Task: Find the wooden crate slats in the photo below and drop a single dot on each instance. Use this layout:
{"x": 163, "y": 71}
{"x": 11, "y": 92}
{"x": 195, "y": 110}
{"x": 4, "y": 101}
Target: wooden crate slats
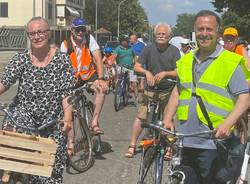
{"x": 25, "y": 136}
{"x": 25, "y": 168}
{"x": 21, "y": 155}
{"x": 26, "y": 153}
{"x": 20, "y": 142}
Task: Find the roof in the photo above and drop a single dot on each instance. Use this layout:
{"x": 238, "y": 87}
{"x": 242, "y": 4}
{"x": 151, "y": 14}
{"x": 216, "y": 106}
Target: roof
{"x": 103, "y": 31}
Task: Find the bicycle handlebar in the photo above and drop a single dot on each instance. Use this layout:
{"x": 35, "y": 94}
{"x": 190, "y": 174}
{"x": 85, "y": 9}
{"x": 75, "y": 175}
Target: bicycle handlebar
{"x": 74, "y": 98}
{"x": 4, "y": 108}
{"x": 204, "y": 134}
{"x": 86, "y": 86}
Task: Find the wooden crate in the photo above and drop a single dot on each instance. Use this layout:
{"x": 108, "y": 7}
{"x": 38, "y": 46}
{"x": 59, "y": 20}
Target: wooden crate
{"x": 26, "y": 153}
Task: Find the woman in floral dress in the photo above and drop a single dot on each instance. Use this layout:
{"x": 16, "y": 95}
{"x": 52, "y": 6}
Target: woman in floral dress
{"x": 45, "y": 80}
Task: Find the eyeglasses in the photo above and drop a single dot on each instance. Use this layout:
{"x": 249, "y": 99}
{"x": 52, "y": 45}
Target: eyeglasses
{"x": 39, "y": 33}
{"x": 80, "y": 29}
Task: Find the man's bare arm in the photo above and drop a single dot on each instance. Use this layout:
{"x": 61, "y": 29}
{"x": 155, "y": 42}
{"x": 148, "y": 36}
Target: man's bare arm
{"x": 170, "y": 109}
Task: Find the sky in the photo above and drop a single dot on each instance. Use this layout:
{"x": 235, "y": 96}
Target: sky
{"x": 167, "y": 10}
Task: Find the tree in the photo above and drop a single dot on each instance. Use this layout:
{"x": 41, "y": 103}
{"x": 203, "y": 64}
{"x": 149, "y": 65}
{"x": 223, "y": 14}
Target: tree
{"x": 234, "y": 13}
{"x": 184, "y": 24}
{"x": 132, "y": 15}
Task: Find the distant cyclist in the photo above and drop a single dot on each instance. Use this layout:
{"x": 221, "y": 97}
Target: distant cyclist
{"x": 109, "y": 63}
{"x": 86, "y": 60}
{"x": 231, "y": 43}
{"x": 124, "y": 56}
{"x": 160, "y": 60}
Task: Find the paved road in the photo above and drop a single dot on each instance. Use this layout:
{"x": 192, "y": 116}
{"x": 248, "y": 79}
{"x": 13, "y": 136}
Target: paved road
{"x": 111, "y": 167}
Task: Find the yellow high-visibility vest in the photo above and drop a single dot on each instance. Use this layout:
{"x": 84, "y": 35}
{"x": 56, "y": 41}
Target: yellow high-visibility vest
{"x": 212, "y": 87}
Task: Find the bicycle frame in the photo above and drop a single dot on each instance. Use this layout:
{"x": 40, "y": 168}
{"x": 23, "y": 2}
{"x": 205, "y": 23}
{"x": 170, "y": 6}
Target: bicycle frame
{"x": 158, "y": 157}
{"x": 123, "y": 79}
{"x": 173, "y": 172}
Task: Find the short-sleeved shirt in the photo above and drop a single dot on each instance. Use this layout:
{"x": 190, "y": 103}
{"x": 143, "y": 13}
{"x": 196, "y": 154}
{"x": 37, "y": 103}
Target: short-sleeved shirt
{"x": 137, "y": 47}
{"x": 236, "y": 86}
{"x": 156, "y": 61}
{"x": 93, "y": 45}
{"x": 124, "y": 56}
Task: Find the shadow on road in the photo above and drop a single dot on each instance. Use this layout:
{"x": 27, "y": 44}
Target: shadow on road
{"x": 106, "y": 148}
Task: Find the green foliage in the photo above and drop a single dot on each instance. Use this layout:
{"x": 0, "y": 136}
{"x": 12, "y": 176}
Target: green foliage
{"x": 235, "y": 13}
{"x": 132, "y": 15}
{"x": 184, "y": 24}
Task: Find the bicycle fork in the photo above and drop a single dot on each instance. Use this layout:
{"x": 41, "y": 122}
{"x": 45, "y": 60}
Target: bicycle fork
{"x": 159, "y": 165}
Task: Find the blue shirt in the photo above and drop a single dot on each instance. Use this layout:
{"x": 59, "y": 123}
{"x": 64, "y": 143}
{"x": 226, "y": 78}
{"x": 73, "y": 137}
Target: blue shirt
{"x": 137, "y": 47}
{"x": 236, "y": 86}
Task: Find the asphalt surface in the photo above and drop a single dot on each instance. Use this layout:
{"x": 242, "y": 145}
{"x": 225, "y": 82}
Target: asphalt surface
{"x": 110, "y": 167}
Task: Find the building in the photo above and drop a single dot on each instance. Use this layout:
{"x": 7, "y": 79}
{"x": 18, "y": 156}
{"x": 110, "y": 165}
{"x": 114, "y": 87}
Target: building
{"x": 14, "y": 14}
{"x": 68, "y": 9}
{"x": 58, "y": 12}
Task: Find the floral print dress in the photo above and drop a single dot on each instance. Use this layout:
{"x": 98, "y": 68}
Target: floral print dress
{"x": 39, "y": 99}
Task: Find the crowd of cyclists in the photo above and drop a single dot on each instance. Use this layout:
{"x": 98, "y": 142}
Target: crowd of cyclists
{"x": 210, "y": 91}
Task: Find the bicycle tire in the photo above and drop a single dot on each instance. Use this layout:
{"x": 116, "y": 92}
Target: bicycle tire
{"x": 126, "y": 93}
{"x": 117, "y": 99}
{"x": 148, "y": 167}
{"x": 82, "y": 158}
{"x": 97, "y": 146}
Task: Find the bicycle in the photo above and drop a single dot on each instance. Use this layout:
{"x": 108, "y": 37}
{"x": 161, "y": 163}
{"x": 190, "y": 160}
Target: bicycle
{"x": 154, "y": 114}
{"x": 110, "y": 77}
{"x": 177, "y": 173}
{"x": 121, "y": 89}
{"x": 85, "y": 143}
{"x": 23, "y": 175}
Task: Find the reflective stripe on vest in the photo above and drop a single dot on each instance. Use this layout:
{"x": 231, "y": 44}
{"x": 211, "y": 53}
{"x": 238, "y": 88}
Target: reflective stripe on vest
{"x": 212, "y": 87}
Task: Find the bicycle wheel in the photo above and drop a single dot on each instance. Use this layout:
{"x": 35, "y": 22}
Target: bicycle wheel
{"x": 117, "y": 100}
{"x": 126, "y": 93}
{"x": 96, "y": 140}
{"x": 148, "y": 166}
{"x": 97, "y": 144}
{"x": 82, "y": 158}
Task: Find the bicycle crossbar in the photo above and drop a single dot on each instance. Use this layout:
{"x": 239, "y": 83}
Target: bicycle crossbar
{"x": 27, "y": 153}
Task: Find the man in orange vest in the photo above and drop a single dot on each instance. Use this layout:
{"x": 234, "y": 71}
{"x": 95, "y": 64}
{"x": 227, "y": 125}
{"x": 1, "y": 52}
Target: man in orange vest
{"x": 86, "y": 60}
{"x": 231, "y": 43}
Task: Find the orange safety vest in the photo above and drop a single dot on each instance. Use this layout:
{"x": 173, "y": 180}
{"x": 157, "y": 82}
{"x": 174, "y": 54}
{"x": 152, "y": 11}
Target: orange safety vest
{"x": 87, "y": 68}
{"x": 239, "y": 49}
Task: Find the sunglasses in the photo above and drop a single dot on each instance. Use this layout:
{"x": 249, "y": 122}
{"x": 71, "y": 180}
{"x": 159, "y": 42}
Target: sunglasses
{"x": 80, "y": 29}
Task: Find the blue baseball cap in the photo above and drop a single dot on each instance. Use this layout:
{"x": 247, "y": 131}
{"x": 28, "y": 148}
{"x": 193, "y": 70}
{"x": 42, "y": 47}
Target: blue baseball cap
{"x": 107, "y": 49}
{"x": 78, "y": 22}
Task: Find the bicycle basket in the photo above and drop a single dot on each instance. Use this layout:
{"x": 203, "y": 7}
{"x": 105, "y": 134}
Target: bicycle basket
{"x": 26, "y": 154}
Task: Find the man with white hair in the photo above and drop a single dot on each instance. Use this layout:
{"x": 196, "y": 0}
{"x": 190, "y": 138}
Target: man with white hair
{"x": 159, "y": 59}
